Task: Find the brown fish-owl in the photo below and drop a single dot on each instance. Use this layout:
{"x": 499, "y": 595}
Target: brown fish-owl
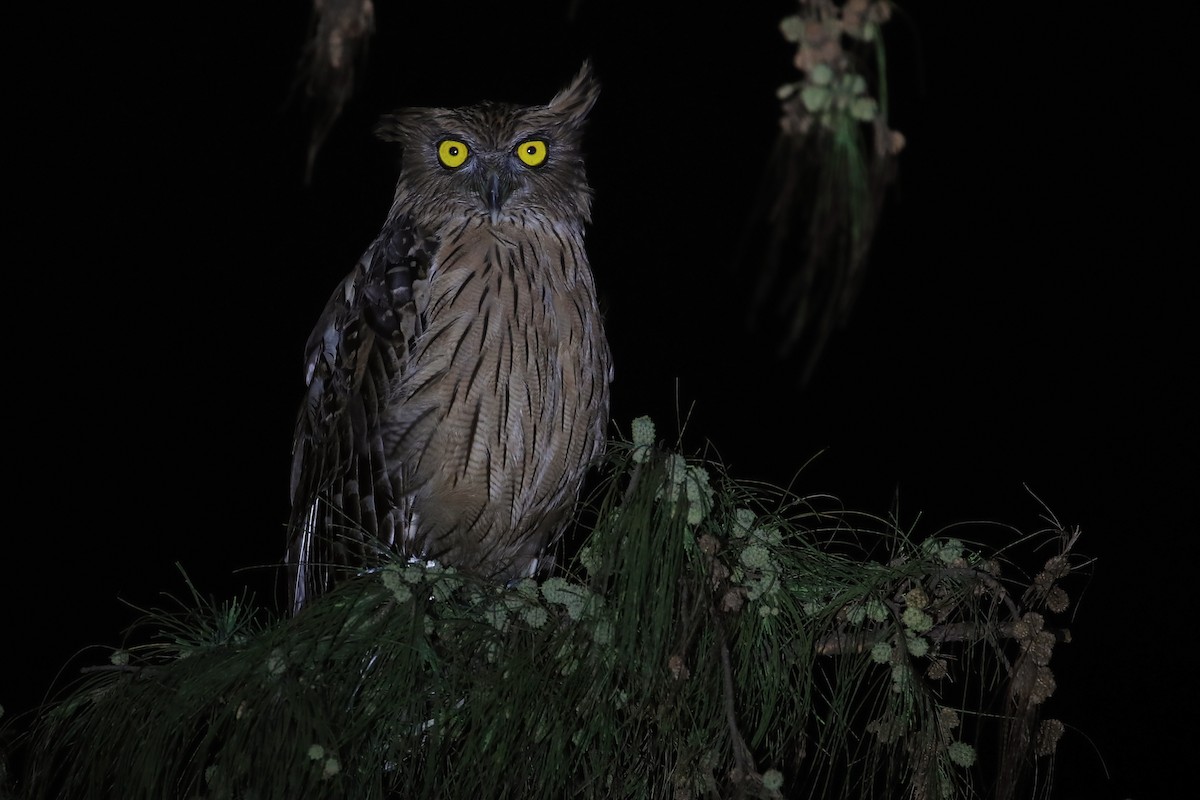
{"x": 458, "y": 378}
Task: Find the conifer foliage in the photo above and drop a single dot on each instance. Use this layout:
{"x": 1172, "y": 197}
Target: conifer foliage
{"x": 705, "y": 639}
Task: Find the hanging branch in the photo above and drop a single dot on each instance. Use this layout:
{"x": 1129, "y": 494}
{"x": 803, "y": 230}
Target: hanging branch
{"x": 334, "y": 52}
{"x": 828, "y": 173}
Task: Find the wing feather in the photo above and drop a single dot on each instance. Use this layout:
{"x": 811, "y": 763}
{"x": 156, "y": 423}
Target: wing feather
{"x": 345, "y": 502}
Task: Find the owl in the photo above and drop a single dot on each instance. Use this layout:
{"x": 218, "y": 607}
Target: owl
{"x": 458, "y": 378}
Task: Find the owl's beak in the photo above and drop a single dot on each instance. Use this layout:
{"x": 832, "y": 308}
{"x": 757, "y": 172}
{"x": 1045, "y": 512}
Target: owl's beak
{"x": 495, "y": 191}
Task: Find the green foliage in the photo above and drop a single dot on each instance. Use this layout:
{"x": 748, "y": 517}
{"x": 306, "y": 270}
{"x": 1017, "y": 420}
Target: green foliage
{"x": 834, "y": 158}
{"x": 709, "y": 639}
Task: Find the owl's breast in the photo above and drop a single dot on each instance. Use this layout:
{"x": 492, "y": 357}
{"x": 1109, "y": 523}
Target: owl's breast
{"x": 504, "y": 326}
{"x": 505, "y": 400}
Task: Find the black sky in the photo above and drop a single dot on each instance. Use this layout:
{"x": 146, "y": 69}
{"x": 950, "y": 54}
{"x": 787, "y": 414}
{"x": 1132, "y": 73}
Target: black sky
{"x": 1024, "y": 322}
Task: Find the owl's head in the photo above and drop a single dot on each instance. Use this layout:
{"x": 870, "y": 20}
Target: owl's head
{"x": 495, "y": 160}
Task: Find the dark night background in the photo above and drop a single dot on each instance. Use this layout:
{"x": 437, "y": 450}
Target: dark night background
{"x": 1022, "y": 322}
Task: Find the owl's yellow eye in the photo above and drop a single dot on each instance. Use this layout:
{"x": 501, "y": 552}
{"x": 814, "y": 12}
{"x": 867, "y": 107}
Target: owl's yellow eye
{"x": 532, "y": 153}
{"x": 452, "y": 153}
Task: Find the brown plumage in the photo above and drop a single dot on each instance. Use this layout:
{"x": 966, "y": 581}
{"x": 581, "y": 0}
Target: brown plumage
{"x": 458, "y": 377}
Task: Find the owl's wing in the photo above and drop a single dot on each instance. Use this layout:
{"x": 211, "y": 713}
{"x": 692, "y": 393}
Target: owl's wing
{"x": 344, "y": 499}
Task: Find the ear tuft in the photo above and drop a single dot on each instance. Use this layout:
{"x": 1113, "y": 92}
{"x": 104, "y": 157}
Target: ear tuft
{"x": 397, "y": 126}
{"x": 575, "y": 101}
{"x": 402, "y": 125}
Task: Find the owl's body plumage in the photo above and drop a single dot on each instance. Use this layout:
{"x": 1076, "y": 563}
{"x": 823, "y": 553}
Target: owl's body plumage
{"x": 458, "y": 377}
